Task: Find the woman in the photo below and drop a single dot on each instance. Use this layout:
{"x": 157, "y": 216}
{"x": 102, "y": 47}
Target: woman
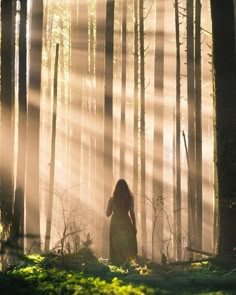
{"x": 123, "y": 242}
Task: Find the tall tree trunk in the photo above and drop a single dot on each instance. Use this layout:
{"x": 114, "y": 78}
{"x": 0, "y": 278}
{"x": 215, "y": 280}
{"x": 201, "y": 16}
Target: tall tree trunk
{"x": 158, "y": 127}
{"x": 21, "y": 155}
{"x": 198, "y": 123}
{"x": 123, "y": 92}
{"x": 100, "y": 39}
{"x": 108, "y": 111}
{"x": 224, "y": 72}
{"x": 142, "y": 128}
{"x": 33, "y": 128}
{"x": 191, "y": 127}
{"x": 7, "y": 114}
{"x": 177, "y": 198}
{"x": 135, "y": 127}
{"x": 235, "y": 23}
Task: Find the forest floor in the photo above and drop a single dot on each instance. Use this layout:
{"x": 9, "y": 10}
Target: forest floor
{"x": 83, "y": 273}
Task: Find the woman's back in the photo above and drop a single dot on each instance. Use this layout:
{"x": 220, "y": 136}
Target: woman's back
{"x": 123, "y": 243}
{"x": 122, "y": 204}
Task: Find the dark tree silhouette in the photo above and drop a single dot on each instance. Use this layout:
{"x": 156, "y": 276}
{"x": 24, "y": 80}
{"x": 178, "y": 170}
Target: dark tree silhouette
{"x": 123, "y": 92}
{"x": 177, "y": 197}
{"x": 7, "y": 111}
{"x": 191, "y": 127}
{"x": 136, "y": 80}
{"x": 18, "y": 222}
{"x": 224, "y": 73}
{"x": 142, "y": 127}
{"x": 108, "y": 110}
{"x": 198, "y": 123}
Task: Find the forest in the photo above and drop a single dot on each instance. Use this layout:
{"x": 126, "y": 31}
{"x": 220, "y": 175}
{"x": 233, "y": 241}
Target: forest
{"x": 93, "y": 91}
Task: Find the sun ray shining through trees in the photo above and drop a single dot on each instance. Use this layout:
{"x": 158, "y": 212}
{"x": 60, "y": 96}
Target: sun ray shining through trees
{"x": 134, "y": 101}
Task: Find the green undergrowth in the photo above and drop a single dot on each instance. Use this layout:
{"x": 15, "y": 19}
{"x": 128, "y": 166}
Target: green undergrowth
{"x": 82, "y": 273}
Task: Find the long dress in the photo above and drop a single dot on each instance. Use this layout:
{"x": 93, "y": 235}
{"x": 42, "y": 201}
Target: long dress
{"x": 123, "y": 241}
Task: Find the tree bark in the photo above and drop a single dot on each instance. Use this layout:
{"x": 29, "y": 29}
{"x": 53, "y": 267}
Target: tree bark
{"x": 108, "y": 111}
{"x": 33, "y": 128}
{"x": 123, "y": 92}
{"x": 100, "y": 40}
{"x": 177, "y": 198}
{"x": 21, "y": 155}
{"x": 224, "y": 74}
{"x": 191, "y": 127}
{"x": 7, "y": 114}
{"x": 158, "y": 127}
{"x": 135, "y": 127}
{"x": 198, "y": 123}
{"x": 142, "y": 128}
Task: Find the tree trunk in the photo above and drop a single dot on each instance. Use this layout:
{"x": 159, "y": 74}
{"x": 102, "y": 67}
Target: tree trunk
{"x": 108, "y": 112}
{"x": 135, "y": 127}
{"x": 224, "y": 71}
{"x": 235, "y": 24}
{"x": 100, "y": 39}
{"x": 191, "y": 127}
{"x": 7, "y": 114}
{"x": 123, "y": 92}
{"x": 177, "y": 198}
{"x": 33, "y": 130}
{"x": 142, "y": 128}
{"x": 21, "y": 155}
{"x": 158, "y": 127}
{"x": 198, "y": 123}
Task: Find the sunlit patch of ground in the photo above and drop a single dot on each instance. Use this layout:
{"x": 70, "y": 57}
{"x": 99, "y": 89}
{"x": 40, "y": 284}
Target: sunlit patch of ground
{"x": 84, "y": 274}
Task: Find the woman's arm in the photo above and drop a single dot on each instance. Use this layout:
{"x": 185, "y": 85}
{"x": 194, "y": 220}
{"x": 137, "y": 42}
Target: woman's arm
{"x": 109, "y": 208}
{"x": 132, "y": 215}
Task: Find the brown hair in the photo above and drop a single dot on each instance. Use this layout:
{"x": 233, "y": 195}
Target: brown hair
{"x": 122, "y": 196}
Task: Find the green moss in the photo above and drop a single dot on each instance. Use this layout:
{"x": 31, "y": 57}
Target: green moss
{"x": 41, "y": 275}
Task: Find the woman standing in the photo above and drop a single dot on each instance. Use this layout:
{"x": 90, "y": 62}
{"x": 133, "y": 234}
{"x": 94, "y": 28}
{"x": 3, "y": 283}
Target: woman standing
{"x": 123, "y": 241}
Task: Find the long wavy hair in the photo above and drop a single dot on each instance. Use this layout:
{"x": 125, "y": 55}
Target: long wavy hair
{"x": 122, "y": 196}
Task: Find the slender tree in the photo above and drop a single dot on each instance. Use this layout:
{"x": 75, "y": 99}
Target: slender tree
{"x": 123, "y": 92}
{"x": 158, "y": 125}
{"x": 142, "y": 127}
{"x": 177, "y": 196}
{"x": 235, "y": 22}
{"x": 136, "y": 80}
{"x": 21, "y": 155}
{"x": 33, "y": 128}
{"x": 99, "y": 69}
{"x": 198, "y": 123}
{"x": 108, "y": 109}
{"x": 7, "y": 114}
{"x": 191, "y": 127}
{"x": 224, "y": 73}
